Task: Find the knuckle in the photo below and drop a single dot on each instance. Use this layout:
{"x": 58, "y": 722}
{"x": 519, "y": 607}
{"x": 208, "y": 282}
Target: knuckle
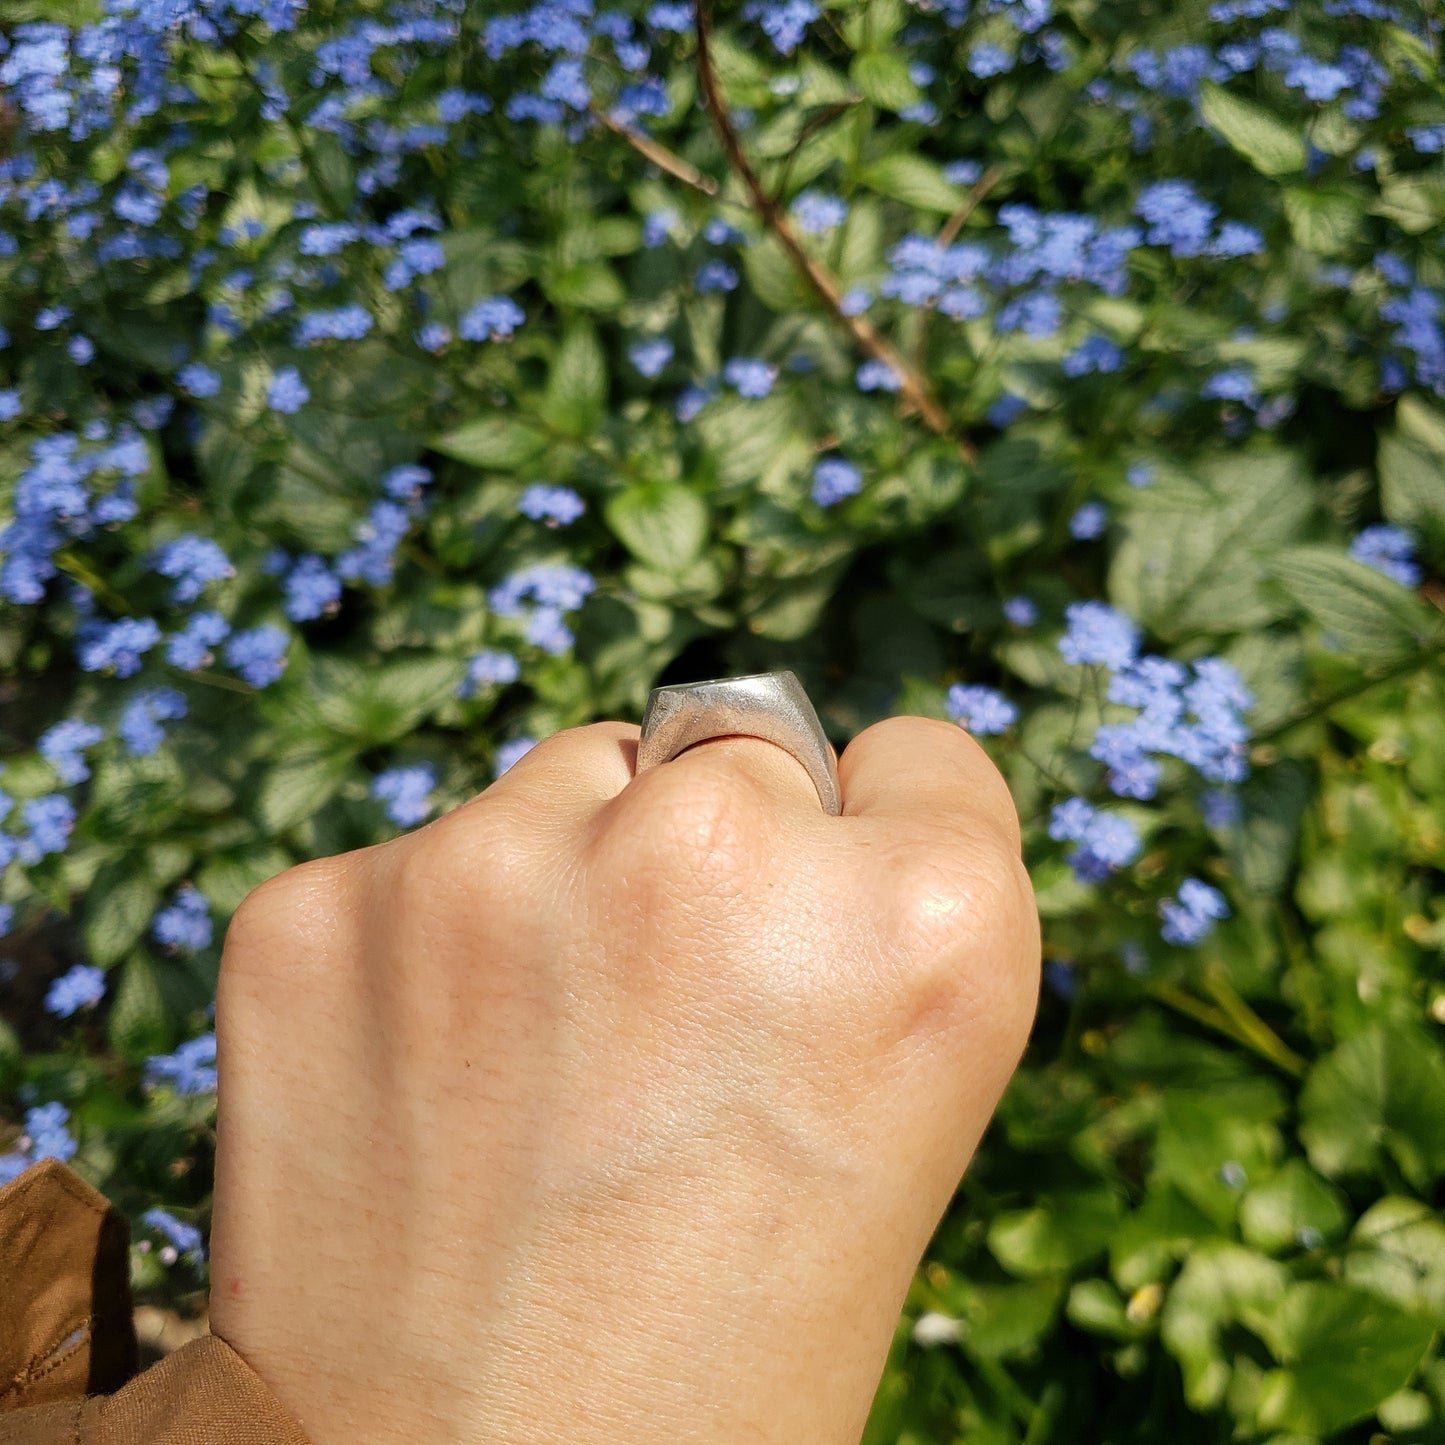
{"x": 687, "y": 826}
{"x": 476, "y": 851}
{"x": 299, "y": 902}
{"x": 966, "y": 933}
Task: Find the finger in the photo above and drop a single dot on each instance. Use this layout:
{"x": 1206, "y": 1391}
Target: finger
{"x": 921, "y": 770}
{"x": 770, "y": 771}
{"x": 567, "y": 776}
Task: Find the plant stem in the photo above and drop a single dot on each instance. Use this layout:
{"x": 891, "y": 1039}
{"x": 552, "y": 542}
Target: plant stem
{"x": 915, "y": 389}
{"x": 659, "y": 155}
{"x": 1258, "y": 1037}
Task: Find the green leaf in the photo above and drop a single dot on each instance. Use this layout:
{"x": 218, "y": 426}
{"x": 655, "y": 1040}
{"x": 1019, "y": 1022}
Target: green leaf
{"x": 119, "y": 904}
{"x": 138, "y": 1024}
{"x": 590, "y": 285}
{"x": 1057, "y": 1234}
{"x": 1194, "y": 555}
{"x": 1377, "y": 1094}
{"x": 1220, "y": 1285}
{"x": 296, "y": 786}
{"x": 378, "y": 704}
{"x": 136, "y": 798}
{"x": 1324, "y": 222}
{"x": 1397, "y": 1251}
{"x": 499, "y": 443}
{"x": 1293, "y": 1208}
{"x": 882, "y": 76}
{"x": 226, "y": 878}
{"x": 663, "y": 524}
{"x": 1412, "y": 484}
{"x": 1262, "y": 848}
{"x": 911, "y": 179}
{"x": 1415, "y": 203}
{"x": 1266, "y": 142}
{"x": 1343, "y": 1353}
{"x": 577, "y": 384}
{"x": 1365, "y": 613}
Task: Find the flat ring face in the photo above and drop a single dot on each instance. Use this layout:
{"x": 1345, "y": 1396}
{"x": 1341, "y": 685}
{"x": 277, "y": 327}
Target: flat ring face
{"x": 768, "y": 705}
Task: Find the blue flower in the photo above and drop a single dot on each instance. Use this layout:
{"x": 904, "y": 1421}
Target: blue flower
{"x": 657, "y": 225}
{"x": 287, "y": 392}
{"x": 81, "y": 350}
{"x": 185, "y": 924}
{"x": 494, "y": 318}
{"x": 878, "y": 376}
{"x": 1139, "y": 474}
{"x": 981, "y": 710}
{"x": 198, "y": 379}
{"x": 406, "y": 481}
{"x": 1094, "y": 353}
{"x": 50, "y": 820}
{"x": 751, "y": 377}
{"x": 62, "y": 744}
{"x": 373, "y": 558}
{"x": 833, "y": 479}
{"x": 259, "y": 654}
{"x": 118, "y": 645}
{"x": 190, "y": 1069}
{"x": 511, "y": 751}
{"x": 1021, "y": 611}
{"x": 10, "y": 403}
{"x": 404, "y": 791}
{"x": 139, "y": 725}
{"x": 855, "y": 301}
{"x": 962, "y": 173}
{"x": 183, "y": 1238}
{"x": 649, "y": 357}
{"x": 190, "y": 647}
{"x": 45, "y": 1127}
{"x": 1233, "y": 384}
{"x": 195, "y": 561}
{"x": 1097, "y": 633}
{"x": 82, "y": 987}
{"x": 558, "y": 505}
{"x": 347, "y": 323}
{"x": 987, "y": 59}
{"x": 716, "y": 275}
{"x": 490, "y": 667}
{"x": 1089, "y": 522}
{"x": 549, "y": 584}
{"x": 312, "y": 589}
{"x": 784, "y": 22}
{"x": 816, "y": 212}
{"x": 1390, "y": 550}
{"x": 1178, "y": 217}
{"x": 1192, "y": 916}
{"x": 546, "y": 629}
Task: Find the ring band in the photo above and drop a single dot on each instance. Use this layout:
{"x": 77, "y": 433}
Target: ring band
{"x": 768, "y": 705}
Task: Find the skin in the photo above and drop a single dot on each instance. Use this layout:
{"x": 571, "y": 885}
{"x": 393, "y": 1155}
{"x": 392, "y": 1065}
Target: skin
{"x": 617, "y": 1108}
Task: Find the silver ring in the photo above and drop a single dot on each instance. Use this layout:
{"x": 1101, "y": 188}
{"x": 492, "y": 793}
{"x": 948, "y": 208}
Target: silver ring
{"x": 767, "y": 705}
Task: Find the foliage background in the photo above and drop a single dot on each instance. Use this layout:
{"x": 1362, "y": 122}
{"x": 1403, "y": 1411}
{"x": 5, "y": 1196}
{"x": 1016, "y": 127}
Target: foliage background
{"x": 386, "y": 386}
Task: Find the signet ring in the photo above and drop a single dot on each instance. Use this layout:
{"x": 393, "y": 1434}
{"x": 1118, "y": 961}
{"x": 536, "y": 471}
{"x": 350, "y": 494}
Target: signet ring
{"x": 768, "y": 705}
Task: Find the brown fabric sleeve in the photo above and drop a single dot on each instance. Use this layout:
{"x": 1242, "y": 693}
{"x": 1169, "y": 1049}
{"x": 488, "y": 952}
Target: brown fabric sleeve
{"x": 65, "y": 1306}
{"x": 68, "y": 1345}
{"x": 203, "y": 1394}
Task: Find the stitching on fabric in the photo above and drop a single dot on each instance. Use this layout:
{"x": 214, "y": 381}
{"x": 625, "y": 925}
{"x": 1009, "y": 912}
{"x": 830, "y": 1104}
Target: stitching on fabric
{"x": 53, "y": 1355}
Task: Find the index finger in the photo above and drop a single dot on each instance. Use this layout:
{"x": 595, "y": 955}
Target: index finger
{"x": 921, "y": 769}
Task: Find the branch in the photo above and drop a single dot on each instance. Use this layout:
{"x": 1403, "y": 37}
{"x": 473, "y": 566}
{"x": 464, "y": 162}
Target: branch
{"x": 915, "y": 389}
{"x": 946, "y": 237}
{"x": 659, "y": 155}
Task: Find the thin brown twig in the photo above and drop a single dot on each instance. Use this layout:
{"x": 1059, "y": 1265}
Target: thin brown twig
{"x": 981, "y": 187}
{"x": 946, "y": 237}
{"x": 914, "y": 389}
{"x": 659, "y": 155}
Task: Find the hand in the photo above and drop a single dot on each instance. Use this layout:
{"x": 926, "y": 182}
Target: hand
{"x": 617, "y": 1109}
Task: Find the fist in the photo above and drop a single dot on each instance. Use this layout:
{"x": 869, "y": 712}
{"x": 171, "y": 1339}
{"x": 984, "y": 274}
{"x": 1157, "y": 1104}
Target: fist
{"x": 614, "y": 1107}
